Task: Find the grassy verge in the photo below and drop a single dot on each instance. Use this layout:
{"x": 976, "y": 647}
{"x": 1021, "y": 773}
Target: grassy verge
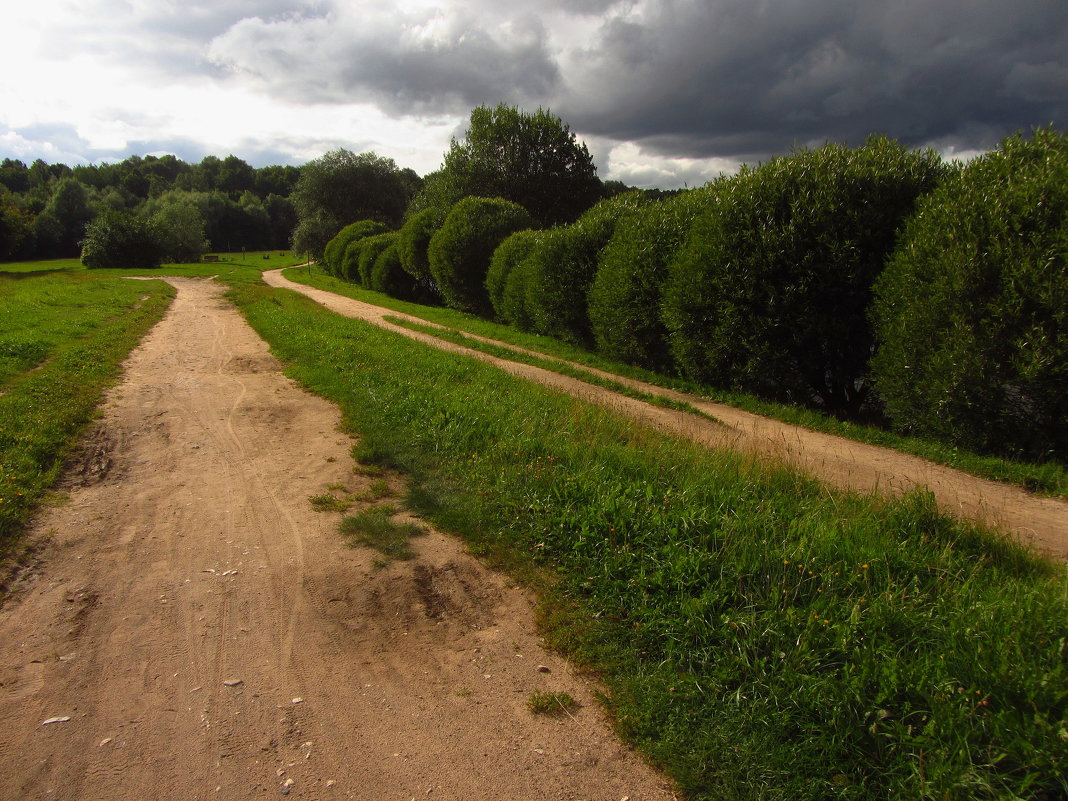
{"x": 563, "y": 368}
{"x": 66, "y": 335}
{"x": 760, "y": 636}
{"x": 1050, "y": 478}
{"x": 229, "y": 267}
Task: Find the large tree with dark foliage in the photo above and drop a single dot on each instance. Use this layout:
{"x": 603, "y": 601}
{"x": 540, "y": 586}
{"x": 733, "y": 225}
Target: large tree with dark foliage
{"x": 122, "y": 240}
{"x": 342, "y": 187}
{"x": 530, "y": 159}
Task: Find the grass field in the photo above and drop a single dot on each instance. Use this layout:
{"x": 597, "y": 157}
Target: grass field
{"x": 230, "y": 267}
{"x": 63, "y": 336}
{"x": 761, "y": 636}
{"x": 1049, "y": 478}
{"x": 64, "y": 332}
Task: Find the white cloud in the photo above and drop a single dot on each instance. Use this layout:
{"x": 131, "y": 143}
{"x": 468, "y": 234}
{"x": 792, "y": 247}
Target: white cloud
{"x": 627, "y": 162}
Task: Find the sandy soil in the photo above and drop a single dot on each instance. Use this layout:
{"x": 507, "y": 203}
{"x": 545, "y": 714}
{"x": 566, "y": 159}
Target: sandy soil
{"x": 1040, "y": 522}
{"x": 196, "y": 631}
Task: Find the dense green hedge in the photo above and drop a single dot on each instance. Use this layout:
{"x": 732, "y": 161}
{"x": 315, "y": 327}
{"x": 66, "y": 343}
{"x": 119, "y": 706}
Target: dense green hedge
{"x": 770, "y": 293}
{"x": 389, "y": 277}
{"x": 563, "y": 267}
{"x": 413, "y": 241}
{"x": 972, "y": 312}
{"x": 334, "y": 253}
{"x": 624, "y": 300}
{"x": 514, "y": 307}
{"x": 369, "y": 249}
{"x": 460, "y": 251}
{"x": 508, "y": 254}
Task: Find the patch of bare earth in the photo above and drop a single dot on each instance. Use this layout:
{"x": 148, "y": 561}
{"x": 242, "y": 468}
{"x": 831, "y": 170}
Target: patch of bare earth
{"x": 843, "y": 463}
{"x": 194, "y": 630}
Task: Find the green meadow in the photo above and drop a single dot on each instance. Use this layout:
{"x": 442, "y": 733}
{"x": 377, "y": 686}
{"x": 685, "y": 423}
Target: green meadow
{"x": 63, "y": 337}
{"x": 1047, "y": 478}
{"x": 758, "y": 635}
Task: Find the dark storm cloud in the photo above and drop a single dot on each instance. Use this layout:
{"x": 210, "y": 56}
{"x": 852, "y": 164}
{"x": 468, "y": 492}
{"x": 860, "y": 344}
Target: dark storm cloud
{"x": 741, "y": 78}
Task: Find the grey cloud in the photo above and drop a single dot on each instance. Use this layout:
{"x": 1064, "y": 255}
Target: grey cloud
{"x": 166, "y": 39}
{"x": 407, "y": 65}
{"x": 745, "y": 79}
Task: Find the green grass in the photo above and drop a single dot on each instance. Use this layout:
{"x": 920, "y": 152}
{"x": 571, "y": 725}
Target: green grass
{"x": 551, "y": 703}
{"x": 328, "y": 502}
{"x": 552, "y": 365}
{"x": 230, "y": 267}
{"x": 63, "y": 337}
{"x": 760, "y": 636}
{"x": 1049, "y": 478}
{"x": 375, "y": 528}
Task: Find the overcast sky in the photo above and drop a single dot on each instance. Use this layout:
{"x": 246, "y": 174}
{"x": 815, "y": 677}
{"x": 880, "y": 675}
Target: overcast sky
{"x": 664, "y": 92}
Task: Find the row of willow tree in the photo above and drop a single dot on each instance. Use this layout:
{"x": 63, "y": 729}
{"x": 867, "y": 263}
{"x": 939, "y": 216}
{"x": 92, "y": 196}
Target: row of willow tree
{"x": 215, "y": 205}
{"x": 874, "y": 283}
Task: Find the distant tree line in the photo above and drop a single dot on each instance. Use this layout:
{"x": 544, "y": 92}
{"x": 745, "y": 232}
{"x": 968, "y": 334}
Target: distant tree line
{"x": 217, "y": 204}
{"x": 873, "y": 283}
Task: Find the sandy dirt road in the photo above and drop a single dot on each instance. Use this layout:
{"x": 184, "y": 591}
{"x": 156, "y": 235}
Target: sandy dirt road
{"x": 1039, "y": 522}
{"x": 196, "y": 631}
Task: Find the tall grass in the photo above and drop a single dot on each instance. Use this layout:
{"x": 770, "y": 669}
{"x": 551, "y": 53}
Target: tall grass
{"x": 760, "y": 635}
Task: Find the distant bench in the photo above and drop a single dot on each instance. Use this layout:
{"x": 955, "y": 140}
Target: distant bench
{"x": 209, "y": 257}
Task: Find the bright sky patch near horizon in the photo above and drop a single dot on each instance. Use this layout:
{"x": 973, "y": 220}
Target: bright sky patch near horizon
{"x": 664, "y": 92}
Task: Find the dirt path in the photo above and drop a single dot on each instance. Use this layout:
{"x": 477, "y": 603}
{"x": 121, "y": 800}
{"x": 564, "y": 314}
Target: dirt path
{"x": 198, "y": 632}
{"x": 1041, "y": 522}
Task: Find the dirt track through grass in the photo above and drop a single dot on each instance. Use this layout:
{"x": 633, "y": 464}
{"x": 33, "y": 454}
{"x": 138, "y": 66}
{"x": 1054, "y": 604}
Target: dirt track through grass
{"x": 198, "y": 631}
{"x": 846, "y": 464}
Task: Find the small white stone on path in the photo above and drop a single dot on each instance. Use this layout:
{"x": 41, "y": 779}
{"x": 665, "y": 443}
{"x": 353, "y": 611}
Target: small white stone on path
{"x": 104, "y": 742}
{"x": 298, "y": 700}
{"x": 233, "y": 682}
{"x": 63, "y": 719}
{"x": 543, "y": 669}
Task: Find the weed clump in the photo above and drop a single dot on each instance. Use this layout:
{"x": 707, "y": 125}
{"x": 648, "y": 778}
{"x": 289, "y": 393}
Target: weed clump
{"x": 376, "y": 528}
{"x": 551, "y": 703}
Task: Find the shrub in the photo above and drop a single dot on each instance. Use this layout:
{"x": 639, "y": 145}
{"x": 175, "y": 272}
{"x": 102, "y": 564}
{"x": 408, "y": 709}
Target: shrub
{"x": 514, "y": 307}
{"x": 370, "y": 248}
{"x": 334, "y": 253}
{"x": 971, "y": 314}
{"x": 460, "y": 251}
{"x": 413, "y": 240}
{"x": 350, "y": 262}
{"x": 624, "y": 300}
{"x": 564, "y": 265}
{"x": 507, "y": 255}
{"x": 387, "y": 276}
{"x": 770, "y": 292}
{"x": 121, "y": 240}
